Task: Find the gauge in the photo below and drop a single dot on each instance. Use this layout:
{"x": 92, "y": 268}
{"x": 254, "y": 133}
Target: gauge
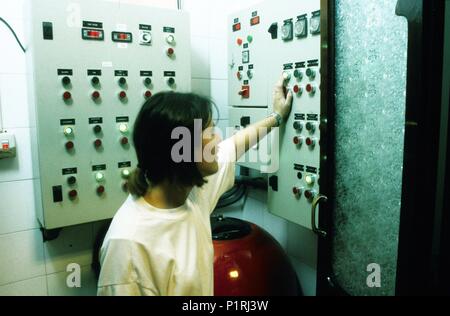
{"x": 287, "y": 31}
{"x": 315, "y": 23}
{"x": 300, "y": 28}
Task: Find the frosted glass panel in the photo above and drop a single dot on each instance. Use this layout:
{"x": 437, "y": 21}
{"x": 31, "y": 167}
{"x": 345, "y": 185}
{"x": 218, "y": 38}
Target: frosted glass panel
{"x": 371, "y": 56}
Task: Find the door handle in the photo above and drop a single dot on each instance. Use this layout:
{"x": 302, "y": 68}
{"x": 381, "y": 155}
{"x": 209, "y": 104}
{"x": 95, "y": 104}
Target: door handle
{"x": 316, "y": 202}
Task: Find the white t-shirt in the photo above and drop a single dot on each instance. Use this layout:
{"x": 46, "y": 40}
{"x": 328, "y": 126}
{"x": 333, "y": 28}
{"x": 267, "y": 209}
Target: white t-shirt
{"x": 151, "y": 251}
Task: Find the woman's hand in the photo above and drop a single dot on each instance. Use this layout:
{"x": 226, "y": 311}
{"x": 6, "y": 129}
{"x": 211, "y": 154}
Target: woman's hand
{"x": 282, "y": 104}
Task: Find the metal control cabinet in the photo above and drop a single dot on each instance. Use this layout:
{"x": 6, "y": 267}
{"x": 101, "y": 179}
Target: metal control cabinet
{"x": 92, "y": 65}
{"x": 290, "y": 36}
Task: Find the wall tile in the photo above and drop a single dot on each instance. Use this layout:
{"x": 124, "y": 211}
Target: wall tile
{"x": 20, "y": 167}
{"x": 201, "y": 87}
{"x": 14, "y": 103}
{"x": 57, "y": 283}
{"x": 199, "y": 11}
{"x": 17, "y": 214}
{"x": 200, "y": 57}
{"x": 219, "y": 94}
{"x": 30, "y": 287}
{"x": 12, "y": 60}
{"x": 74, "y": 245}
{"x": 22, "y": 256}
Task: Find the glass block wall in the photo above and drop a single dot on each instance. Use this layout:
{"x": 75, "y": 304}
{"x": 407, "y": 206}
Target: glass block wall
{"x": 371, "y": 56}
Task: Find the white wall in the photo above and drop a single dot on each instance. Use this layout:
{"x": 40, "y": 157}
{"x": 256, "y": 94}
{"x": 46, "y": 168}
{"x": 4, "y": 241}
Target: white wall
{"x": 30, "y": 267}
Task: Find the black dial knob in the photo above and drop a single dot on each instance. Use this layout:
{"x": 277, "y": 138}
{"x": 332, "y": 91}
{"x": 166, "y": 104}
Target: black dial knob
{"x": 122, "y": 81}
{"x": 95, "y": 81}
{"x": 66, "y": 81}
{"x": 97, "y": 129}
{"x": 71, "y": 180}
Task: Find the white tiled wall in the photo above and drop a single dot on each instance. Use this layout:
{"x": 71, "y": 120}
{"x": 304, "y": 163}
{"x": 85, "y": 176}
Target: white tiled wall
{"x": 28, "y": 266}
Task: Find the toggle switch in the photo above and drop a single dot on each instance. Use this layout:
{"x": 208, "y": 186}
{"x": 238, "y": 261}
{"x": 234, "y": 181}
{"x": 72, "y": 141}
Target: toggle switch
{"x": 249, "y": 74}
{"x": 239, "y": 75}
{"x": 67, "y": 96}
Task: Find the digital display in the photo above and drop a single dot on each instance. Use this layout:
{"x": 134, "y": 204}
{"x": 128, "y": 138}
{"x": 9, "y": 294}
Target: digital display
{"x": 122, "y": 37}
{"x": 92, "y": 34}
{"x": 236, "y": 27}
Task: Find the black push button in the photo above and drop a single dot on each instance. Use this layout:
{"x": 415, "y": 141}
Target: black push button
{"x": 245, "y": 121}
{"x": 47, "y": 28}
{"x": 57, "y": 194}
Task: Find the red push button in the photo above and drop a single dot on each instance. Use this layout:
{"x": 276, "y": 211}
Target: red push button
{"x": 122, "y": 95}
{"x": 170, "y": 51}
{"x": 95, "y": 95}
{"x": 297, "y": 140}
{"x": 310, "y": 88}
{"x": 310, "y": 142}
{"x": 100, "y": 189}
{"x": 73, "y": 194}
{"x": 147, "y": 94}
{"x": 98, "y": 143}
{"x": 239, "y": 41}
{"x": 67, "y": 96}
{"x": 70, "y": 145}
{"x": 124, "y": 141}
{"x": 309, "y": 194}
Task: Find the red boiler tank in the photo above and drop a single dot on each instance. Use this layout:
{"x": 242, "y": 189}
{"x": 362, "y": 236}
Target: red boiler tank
{"x": 248, "y": 261}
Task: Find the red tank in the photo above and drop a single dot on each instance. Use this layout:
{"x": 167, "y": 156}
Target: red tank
{"x": 248, "y": 261}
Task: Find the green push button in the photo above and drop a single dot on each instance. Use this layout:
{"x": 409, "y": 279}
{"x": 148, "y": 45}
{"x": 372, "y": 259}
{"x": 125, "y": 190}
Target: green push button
{"x": 250, "y": 38}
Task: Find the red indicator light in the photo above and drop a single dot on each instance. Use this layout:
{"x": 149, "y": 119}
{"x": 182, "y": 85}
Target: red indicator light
{"x": 254, "y": 21}
{"x": 236, "y": 27}
{"x": 73, "y": 194}
{"x": 295, "y": 190}
{"x": 122, "y": 95}
{"x": 296, "y": 89}
{"x": 5, "y": 146}
{"x": 309, "y": 194}
{"x": 67, "y": 95}
{"x": 98, "y": 143}
{"x": 147, "y": 94}
{"x": 239, "y": 41}
{"x": 70, "y": 145}
{"x": 170, "y": 51}
{"x": 297, "y": 140}
{"x": 124, "y": 141}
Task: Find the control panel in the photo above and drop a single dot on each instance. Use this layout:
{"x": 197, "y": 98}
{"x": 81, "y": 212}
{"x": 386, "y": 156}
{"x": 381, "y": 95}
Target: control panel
{"x": 291, "y": 40}
{"x": 92, "y": 66}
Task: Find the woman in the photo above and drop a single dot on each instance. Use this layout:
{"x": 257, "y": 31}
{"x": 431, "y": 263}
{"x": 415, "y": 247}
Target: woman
{"x": 159, "y": 242}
